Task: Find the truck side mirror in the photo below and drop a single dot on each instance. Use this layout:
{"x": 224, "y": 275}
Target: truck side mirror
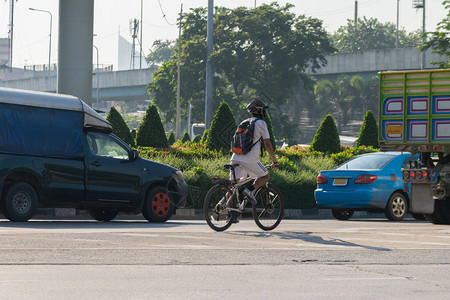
{"x": 134, "y": 155}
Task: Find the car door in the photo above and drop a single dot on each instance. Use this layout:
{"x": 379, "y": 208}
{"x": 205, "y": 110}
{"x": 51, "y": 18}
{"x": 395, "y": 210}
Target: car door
{"x": 111, "y": 176}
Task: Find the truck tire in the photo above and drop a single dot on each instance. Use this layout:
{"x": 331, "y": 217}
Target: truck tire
{"x": 441, "y": 213}
{"x": 102, "y": 214}
{"x": 158, "y": 206}
{"x": 20, "y": 202}
{"x": 396, "y": 207}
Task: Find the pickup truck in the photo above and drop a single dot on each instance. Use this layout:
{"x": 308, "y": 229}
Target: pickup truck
{"x": 414, "y": 116}
{"x": 56, "y": 151}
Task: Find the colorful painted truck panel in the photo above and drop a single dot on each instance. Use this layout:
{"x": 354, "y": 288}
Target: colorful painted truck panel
{"x": 414, "y": 110}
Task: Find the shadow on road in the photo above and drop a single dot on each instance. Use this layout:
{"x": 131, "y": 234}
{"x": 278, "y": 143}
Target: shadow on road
{"x": 310, "y": 238}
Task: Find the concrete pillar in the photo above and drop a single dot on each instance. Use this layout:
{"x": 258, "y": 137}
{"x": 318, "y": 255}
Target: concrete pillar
{"x": 76, "y": 25}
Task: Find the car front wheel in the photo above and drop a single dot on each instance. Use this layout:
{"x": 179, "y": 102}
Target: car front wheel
{"x": 342, "y": 214}
{"x": 397, "y": 207}
{"x": 158, "y": 206}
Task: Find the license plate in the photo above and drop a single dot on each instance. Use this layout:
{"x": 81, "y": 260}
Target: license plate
{"x": 340, "y": 181}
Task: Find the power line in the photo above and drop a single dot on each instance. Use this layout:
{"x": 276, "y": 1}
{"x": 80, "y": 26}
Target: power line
{"x": 164, "y": 15}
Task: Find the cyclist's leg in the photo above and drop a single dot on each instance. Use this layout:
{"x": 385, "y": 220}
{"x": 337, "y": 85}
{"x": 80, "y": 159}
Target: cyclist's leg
{"x": 259, "y": 171}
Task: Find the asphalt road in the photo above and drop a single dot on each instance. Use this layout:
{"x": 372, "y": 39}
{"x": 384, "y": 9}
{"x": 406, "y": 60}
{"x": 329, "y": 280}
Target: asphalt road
{"x": 301, "y": 259}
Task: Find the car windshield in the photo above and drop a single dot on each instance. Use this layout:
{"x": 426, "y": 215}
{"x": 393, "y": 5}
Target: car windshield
{"x": 366, "y": 162}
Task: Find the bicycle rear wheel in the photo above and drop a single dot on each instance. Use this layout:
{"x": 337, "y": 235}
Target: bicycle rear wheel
{"x": 269, "y": 209}
{"x": 214, "y": 208}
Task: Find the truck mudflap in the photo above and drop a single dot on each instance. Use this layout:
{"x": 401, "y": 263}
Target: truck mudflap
{"x": 422, "y": 199}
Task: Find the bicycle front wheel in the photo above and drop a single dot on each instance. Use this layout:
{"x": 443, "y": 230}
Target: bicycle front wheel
{"x": 269, "y": 209}
{"x": 215, "y": 209}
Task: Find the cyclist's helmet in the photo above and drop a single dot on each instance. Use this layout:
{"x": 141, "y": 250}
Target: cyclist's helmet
{"x": 258, "y": 107}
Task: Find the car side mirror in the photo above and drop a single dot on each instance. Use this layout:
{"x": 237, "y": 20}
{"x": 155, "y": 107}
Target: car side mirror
{"x": 134, "y": 155}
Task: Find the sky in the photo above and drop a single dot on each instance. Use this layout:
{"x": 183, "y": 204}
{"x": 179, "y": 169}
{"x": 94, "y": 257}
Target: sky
{"x": 111, "y": 17}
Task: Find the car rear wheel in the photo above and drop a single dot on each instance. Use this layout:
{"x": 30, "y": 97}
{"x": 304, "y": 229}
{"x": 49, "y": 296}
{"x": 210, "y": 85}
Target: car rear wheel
{"x": 103, "y": 214}
{"x": 397, "y": 207}
{"x": 158, "y": 206}
{"x": 20, "y": 202}
{"x": 342, "y": 214}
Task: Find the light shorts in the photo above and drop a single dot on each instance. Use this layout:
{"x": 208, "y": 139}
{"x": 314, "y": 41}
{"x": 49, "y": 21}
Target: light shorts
{"x": 248, "y": 168}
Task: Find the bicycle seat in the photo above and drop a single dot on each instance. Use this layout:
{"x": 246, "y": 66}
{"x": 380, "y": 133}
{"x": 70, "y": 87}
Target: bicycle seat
{"x": 230, "y": 166}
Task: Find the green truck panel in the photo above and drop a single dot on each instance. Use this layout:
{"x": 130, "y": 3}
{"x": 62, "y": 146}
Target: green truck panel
{"x": 414, "y": 110}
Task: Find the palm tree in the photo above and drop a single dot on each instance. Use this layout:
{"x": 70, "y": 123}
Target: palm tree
{"x": 335, "y": 97}
{"x": 365, "y": 94}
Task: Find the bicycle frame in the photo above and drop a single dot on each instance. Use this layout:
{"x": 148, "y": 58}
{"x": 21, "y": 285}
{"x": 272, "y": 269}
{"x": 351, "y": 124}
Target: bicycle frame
{"x": 235, "y": 191}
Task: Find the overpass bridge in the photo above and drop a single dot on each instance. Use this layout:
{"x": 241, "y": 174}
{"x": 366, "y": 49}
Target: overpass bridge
{"x": 112, "y": 86}
{"x": 131, "y": 84}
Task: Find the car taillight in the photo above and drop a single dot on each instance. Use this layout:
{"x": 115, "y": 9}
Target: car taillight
{"x": 425, "y": 174}
{"x": 321, "y": 179}
{"x": 412, "y": 174}
{"x": 405, "y": 175}
{"x": 365, "y": 179}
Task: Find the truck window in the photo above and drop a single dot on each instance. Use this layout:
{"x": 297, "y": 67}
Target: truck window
{"x": 101, "y": 145}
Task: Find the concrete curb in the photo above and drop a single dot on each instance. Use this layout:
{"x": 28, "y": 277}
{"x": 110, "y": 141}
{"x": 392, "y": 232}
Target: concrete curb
{"x": 196, "y": 214}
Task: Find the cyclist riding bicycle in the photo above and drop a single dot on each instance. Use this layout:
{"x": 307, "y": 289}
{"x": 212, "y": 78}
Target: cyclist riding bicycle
{"x": 248, "y": 163}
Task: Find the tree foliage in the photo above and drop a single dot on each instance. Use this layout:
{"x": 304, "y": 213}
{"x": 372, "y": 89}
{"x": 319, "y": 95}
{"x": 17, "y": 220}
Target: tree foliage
{"x": 439, "y": 40}
{"x": 160, "y": 52}
{"x": 262, "y": 49}
{"x": 327, "y": 138}
{"x": 368, "y": 134}
{"x": 335, "y": 97}
{"x": 368, "y": 34}
{"x": 120, "y": 128}
{"x": 222, "y": 129}
{"x": 151, "y": 131}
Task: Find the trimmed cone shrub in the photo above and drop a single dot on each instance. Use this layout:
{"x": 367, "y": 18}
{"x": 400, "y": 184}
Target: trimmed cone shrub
{"x": 197, "y": 139}
{"x": 222, "y": 129}
{"x": 171, "y": 138}
{"x": 120, "y": 128}
{"x": 368, "y": 134}
{"x": 326, "y": 139}
{"x": 186, "y": 138}
{"x": 205, "y": 136}
{"x": 151, "y": 131}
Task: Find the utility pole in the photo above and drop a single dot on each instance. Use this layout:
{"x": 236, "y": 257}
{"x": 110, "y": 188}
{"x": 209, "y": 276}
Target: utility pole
{"x": 134, "y": 28}
{"x": 209, "y": 67}
{"x": 398, "y": 17}
{"x": 423, "y": 36}
{"x": 140, "y": 39}
{"x": 11, "y": 33}
{"x": 177, "y": 123}
{"x": 356, "y": 11}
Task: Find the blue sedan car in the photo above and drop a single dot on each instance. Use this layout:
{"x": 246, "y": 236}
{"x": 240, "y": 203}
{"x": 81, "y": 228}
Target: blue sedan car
{"x": 369, "y": 182}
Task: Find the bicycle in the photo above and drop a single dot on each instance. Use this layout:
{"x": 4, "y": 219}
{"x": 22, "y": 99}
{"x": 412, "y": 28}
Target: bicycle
{"x": 222, "y": 203}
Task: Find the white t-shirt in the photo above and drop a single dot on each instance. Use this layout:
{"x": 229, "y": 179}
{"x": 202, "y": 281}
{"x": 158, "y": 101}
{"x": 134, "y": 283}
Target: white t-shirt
{"x": 260, "y": 132}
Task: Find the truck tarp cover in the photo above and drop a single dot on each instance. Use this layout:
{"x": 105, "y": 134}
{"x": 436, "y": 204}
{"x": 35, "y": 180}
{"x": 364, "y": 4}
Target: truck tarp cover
{"x": 40, "y": 131}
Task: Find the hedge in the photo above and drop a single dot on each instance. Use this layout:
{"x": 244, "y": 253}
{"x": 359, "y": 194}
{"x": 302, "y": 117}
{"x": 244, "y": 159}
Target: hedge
{"x": 296, "y": 177}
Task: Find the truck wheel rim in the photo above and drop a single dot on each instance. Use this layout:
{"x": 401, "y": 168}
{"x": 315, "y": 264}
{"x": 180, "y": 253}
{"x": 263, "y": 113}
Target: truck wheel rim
{"x": 21, "y": 202}
{"x": 161, "y": 204}
{"x": 398, "y": 206}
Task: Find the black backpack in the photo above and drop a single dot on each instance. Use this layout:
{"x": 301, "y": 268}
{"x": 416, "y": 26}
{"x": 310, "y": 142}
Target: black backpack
{"x": 242, "y": 141}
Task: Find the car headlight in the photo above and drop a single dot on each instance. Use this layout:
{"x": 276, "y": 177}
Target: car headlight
{"x": 179, "y": 174}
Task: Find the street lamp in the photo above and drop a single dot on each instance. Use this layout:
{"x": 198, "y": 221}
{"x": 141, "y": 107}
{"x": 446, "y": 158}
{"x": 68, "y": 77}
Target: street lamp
{"x": 96, "y": 73}
{"x": 50, "y": 43}
{"x": 421, "y": 4}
